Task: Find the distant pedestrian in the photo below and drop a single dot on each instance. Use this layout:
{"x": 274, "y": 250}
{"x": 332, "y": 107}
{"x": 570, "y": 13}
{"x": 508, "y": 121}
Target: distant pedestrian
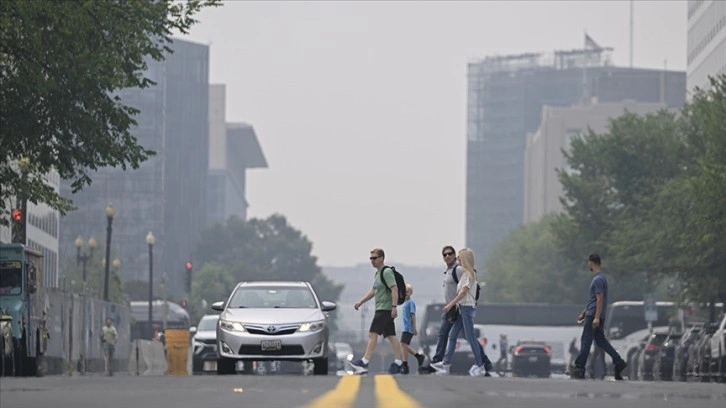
{"x": 109, "y": 337}
{"x": 386, "y": 299}
{"x": 409, "y": 330}
{"x": 465, "y": 303}
{"x": 452, "y": 277}
{"x": 503, "y": 348}
{"x": 593, "y": 319}
{"x": 573, "y": 351}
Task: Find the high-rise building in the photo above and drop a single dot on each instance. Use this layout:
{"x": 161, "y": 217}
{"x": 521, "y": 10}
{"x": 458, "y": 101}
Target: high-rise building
{"x": 543, "y": 153}
{"x": 505, "y": 99}
{"x": 706, "y": 41}
{"x": 167, "y": 194}
{"x": 233, "y": 148}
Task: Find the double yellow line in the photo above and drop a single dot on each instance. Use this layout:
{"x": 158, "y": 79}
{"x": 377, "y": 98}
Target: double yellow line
{"x": 388, "y": 395}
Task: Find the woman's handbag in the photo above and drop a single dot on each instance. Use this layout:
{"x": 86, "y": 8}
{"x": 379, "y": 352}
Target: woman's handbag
{"x": 452, "y": 314}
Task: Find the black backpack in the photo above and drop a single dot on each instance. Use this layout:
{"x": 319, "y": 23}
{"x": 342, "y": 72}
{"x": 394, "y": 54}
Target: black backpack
{"x": 400, "y": 284}
{"x": 456, "y": 279}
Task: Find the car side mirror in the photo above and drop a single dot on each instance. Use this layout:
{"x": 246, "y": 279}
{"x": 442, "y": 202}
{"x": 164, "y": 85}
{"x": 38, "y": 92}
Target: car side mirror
{"x": 193, "y": 329}
{"x": 218, "y": 306}
{"x": 614, "y": 333}
{"x": 328, "y": 306}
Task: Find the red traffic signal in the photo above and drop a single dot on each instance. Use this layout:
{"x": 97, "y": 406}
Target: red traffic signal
{"x": 188, "y": 265}
{"x": 17, "y": 215}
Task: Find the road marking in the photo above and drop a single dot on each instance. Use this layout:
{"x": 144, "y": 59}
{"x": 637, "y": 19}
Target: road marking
{"x": 342, "y": 396}
{"x": 388, "y": 395}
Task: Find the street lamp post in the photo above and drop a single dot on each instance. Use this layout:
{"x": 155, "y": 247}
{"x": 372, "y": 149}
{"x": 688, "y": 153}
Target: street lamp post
{"x": 110, "y": 213}
{"x": 150, "y": 241}
{"x": 83, "y": 258}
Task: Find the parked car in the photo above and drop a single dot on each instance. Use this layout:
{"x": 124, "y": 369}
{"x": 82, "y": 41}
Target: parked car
{"x": 663, "y": 364}
{"x": 273, "y": 321}
{"x": 646, "y": 358}
{"x": 204, "y": 345}
{"x": 699, "y": 360}
{"x": 680, "y": 355}
{"x": 531, "y": 358}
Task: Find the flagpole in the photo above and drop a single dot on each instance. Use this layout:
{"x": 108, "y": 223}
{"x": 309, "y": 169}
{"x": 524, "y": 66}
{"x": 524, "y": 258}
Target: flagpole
{"x": 632, "y": 2}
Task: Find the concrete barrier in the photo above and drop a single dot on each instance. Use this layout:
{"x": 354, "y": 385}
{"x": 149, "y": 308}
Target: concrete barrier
{"x": 147, "y": 358}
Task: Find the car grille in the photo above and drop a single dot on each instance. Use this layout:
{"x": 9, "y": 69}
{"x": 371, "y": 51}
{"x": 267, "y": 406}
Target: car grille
{"x": 266, "y": 333}
{"x": 208, "y": 341}
{"x": 284, "y": 351}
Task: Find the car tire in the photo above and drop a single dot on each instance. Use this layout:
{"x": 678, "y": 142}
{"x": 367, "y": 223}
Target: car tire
{"x": 226, "y": 366}
{"x": 320, "y": 366}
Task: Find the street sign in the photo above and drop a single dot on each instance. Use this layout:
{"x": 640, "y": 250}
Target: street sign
{"x": 650, "y": 308}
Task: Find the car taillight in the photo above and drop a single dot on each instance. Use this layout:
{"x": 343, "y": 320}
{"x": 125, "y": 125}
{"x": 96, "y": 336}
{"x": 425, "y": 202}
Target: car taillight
{"x": 548, "y": 350}
{"x": 517, "y": 350}
{"x": 651, "y": 347}
{"x": 483, "y": 342}
{"x": 458, "y": 344}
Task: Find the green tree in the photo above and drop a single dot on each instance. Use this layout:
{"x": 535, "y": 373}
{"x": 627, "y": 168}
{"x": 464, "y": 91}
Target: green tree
{"x": 139, "y": 289}
{"x": 527, "y": 266}
{"x": 95, "y": 275}
{"x": 609, "y": 190}
{"x": 214, "y": 283}
{"x": 60, "y": 64}
{"x": 263, "y": 249}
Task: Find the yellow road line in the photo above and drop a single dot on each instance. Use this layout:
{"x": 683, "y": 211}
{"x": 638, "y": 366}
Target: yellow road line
{"x": 342, "y": 396}
{"x": 388, "y": 395}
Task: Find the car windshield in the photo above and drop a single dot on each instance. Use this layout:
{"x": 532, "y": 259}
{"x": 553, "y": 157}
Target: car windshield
{"x": 208, "y": 324}
{"x": 268, "y": 297}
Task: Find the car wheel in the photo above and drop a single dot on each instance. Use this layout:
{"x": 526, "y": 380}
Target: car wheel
{"x": 320, "y": 366}
{"x": 226, "y": 366}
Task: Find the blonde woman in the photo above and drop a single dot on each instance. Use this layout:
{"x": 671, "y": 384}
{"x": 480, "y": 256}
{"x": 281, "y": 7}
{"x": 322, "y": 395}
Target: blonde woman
{"x": 465, "y": 301}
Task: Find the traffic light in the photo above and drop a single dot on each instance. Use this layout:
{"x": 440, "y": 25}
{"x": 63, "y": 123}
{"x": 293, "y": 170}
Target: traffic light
{"x": 188, "y": 265}
{"x": 18, "y": 227}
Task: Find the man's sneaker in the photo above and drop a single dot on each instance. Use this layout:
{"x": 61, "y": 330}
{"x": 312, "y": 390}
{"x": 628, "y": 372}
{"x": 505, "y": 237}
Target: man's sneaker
{"x": 441, "y": 367}
{"x": 426, "y": 369}
{"x": 421, "y": 359}
{"x": 619, "y": 367}
{"x": 577, "y": 373}
{"x": 475, "y": 371}
{"x": 359, "y": 367}
{"x": 404, "y": 368}
{"x": 394, "y": 368}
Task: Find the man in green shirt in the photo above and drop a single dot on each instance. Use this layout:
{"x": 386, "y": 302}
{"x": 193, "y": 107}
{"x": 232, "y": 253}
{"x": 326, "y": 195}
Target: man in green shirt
{"x": 386, "y": 298}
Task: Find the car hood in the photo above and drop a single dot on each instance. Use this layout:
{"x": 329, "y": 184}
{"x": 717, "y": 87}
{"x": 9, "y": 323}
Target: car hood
{"x": 206, "y": 335}
{"x": 276, "y": 316}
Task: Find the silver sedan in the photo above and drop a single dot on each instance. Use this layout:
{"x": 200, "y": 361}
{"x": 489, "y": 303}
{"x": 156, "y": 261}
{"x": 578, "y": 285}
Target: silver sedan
{"x": 273, "y": 321}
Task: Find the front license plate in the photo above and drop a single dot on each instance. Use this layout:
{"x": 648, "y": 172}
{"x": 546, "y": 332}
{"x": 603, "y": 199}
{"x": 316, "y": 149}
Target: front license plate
{"x": 533, "y": 359}
{"x": 270, "y": 345}
{"x": 210, "y": 366}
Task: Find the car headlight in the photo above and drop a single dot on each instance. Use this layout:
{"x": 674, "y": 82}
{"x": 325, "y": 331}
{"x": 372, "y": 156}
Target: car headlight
{"x": 231, "y": 326}
{"x": 312, "y": 326}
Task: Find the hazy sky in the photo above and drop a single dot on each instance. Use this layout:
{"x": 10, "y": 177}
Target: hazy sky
{"x": 360, "y": 107}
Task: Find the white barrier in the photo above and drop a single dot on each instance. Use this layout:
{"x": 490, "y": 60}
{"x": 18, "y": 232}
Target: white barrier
{"x": 147, "y": 358}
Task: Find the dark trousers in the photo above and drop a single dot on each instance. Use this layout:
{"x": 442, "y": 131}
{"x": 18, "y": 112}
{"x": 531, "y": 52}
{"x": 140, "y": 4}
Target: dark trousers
{"x": 443, "y": 341}
{"x": 598, "y": 335}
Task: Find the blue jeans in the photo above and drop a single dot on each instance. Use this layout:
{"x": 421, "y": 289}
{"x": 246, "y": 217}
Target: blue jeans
{"x": 466, "y": 322}
{"x": 444, "y": 330}
{"x": 588, "y": 335}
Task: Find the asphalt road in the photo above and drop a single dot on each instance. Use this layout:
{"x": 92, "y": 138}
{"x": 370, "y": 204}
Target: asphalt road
{"x": 379, "y": 391}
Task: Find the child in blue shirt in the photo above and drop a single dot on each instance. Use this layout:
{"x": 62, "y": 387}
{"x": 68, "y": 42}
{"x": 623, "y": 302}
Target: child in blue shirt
{"x": 409, "y": 330}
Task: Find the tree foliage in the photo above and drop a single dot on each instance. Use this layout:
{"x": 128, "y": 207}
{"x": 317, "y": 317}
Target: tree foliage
{"x": 95, "y": 275}
{"x": 649, "y": 196}
{"x": 60, "y": 64}
{"x": 526, "y": 266}
{"x": 258, "y": 249}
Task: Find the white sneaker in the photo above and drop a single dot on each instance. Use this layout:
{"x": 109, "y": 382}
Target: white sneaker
{"x": 441, "y": 368}
{"x": 475, "y": 371}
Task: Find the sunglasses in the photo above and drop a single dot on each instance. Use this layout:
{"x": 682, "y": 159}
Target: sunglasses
{"x": 373, "y": 258}
{"x": 448, "y": 253}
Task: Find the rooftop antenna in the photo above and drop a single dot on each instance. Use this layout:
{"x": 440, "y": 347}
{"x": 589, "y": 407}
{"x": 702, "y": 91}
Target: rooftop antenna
{"x": 632, "y": 3}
